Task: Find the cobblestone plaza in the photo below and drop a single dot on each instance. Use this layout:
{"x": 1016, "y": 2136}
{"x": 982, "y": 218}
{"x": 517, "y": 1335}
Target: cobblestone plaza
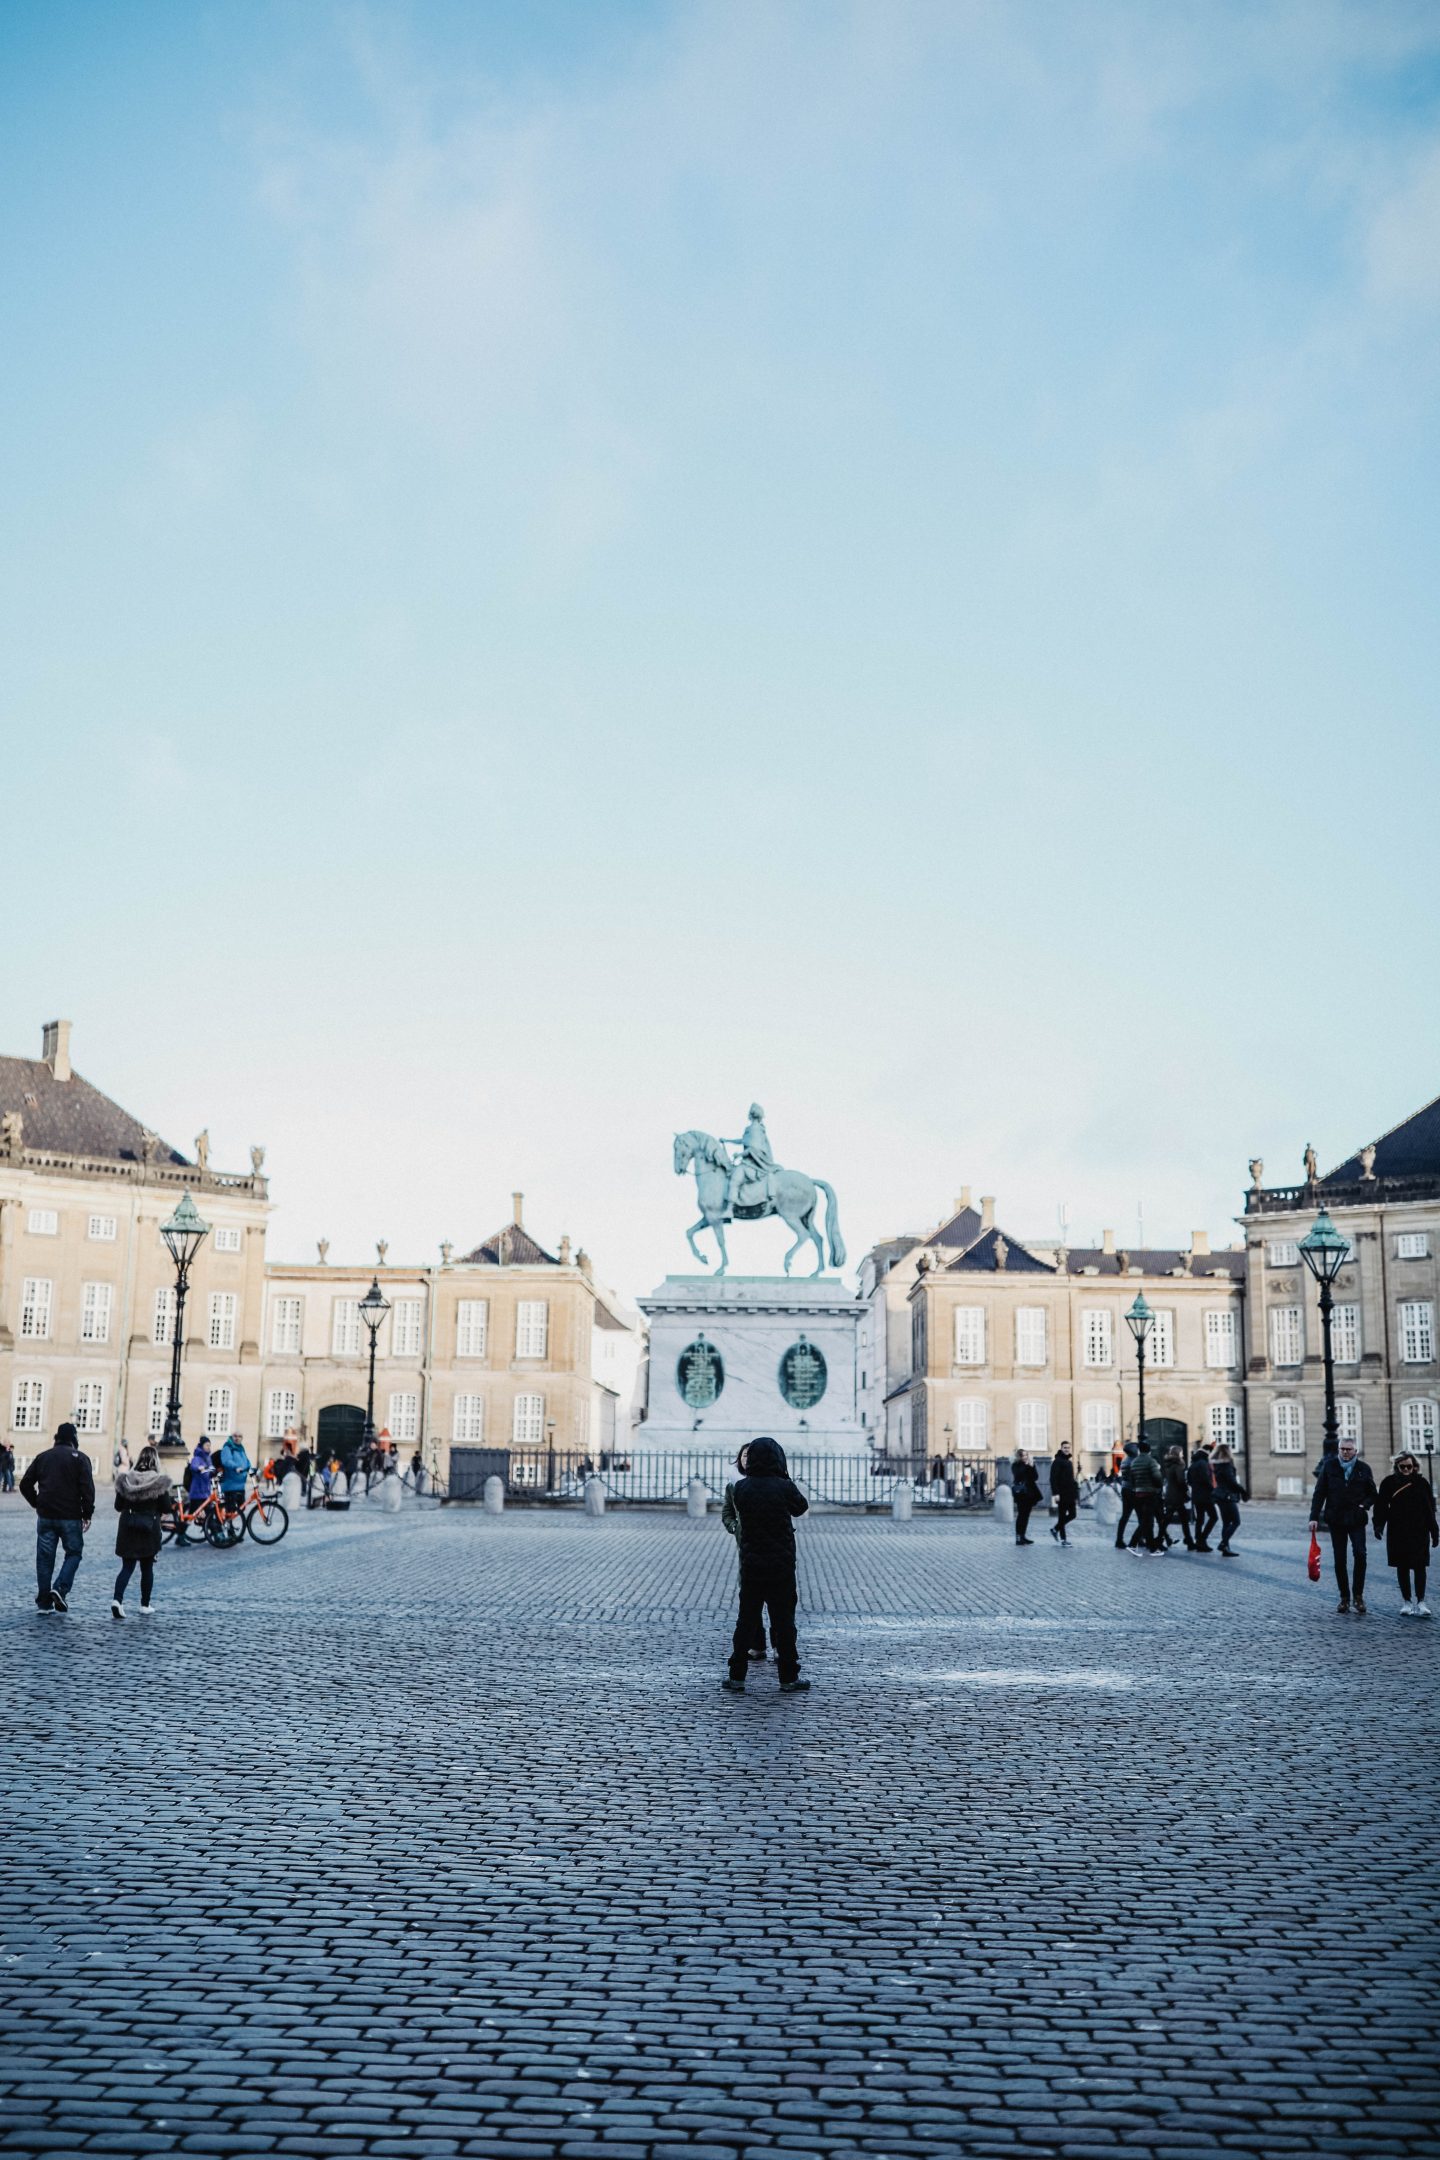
{"x": 436, "y": 1835}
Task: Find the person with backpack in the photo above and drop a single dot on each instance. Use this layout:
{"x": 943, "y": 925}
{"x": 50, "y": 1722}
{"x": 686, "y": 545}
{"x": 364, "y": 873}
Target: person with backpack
{"x": 1229, "y": 1492}
{"x": 1127, "y": 1495}
{"x": 1064, "y": 1491}
{"x": 1175, "y": 1498}
{"x": 1148, "y": 1484}
{"x": 1025, "y": 1491}
{"x": 1200, "y": 1477}
{"x": 765, "y": 1502}
{"x": 143, "y": 1496}
{"x": 1405, "y": 1513}
{"x": 60, "y": 1486}
{"x": 1343, "y": 1497}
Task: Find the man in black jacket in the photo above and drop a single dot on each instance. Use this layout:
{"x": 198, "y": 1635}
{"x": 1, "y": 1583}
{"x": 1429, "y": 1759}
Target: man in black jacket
{"x": 1201, "y": 1480}
{"x": 1149, "y": 1481}
{"x": 60, "y": 1486}
{"x": 1344, "y": 1495}
{"x": 1127, "y": 1496}
{"x": 766, "y": 1504}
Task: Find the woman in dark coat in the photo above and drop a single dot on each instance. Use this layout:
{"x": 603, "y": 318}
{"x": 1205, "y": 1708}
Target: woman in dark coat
{"x": 1175, "y": 1498}
{"x": 1229, "y": 1492}
{"x": 1064, "y": 1491}
{"x": 1025, "y": 1490}
{"x": 142, "y": 1496}
{"x": 1405, "y": 1512}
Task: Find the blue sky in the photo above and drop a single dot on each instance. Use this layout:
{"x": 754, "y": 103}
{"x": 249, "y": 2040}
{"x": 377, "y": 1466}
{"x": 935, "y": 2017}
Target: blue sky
{"x": 566, "y": 566}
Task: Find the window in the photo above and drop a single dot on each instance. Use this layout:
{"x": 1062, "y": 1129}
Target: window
{"x": 1096, "y": 1323}
{"x": 159, "y": 1395}
{"x": 1419, "y": 1420}
{"x": 1160, "y": 1350}
{"x": 1030, "y": 1335}
{"x": 528, "y": 1424}
{"x": 972, "y": 1425}
{"x": 407, "y": 1328}
{"x": 1347, "y": 1418}
{"x": 287, "y": 1317}
{"x": 281, "y": 1405}
{"x": 1032, "y": 1426}
{"x": 969, "y": 1335}
{"x": 102, "y": 1228}
{"x": 43, "y": 1222}
{"x": 1287, "y": 1428}
{"x": 28, "y": 1414}
{"x": 219, "y": 1410}
{"x": 1289, "y": 1488}
{"x": 90, "y": 1406}
{"x": 532, "y": 1328}
{"x": 1417, "y": 1332}
{"x": 1222, "y": 1337}
{"x": 467, "y": 1421}
{"x": 35, "y": 1295}
{"x": 472, "y": 1328}
{"x": 345, "y": 1327}
{"x": 162, "y": 1325}
{"x": 1287, "y": 1335}
{"x": 227, "y": 1240}
{"x": 1224, "y": 1423}
{"x": 1413, "y": 1245}
{"x": 221, "y": 1332}
{"x": 1097, "y": 1427}
{"x": 1282, "y": 1252}
{"x": 404, "y": 1418}
{"x": 97, "y": 1300}
{"x": 1345, "y": 1334}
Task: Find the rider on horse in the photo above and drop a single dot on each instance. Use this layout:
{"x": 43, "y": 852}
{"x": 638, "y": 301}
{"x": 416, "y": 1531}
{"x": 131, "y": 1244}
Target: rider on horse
{"x": 755, "y": 1163}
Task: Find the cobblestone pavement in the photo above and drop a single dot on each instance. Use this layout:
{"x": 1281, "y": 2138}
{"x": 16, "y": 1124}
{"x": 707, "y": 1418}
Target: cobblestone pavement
{"x": 435, "y": 1834}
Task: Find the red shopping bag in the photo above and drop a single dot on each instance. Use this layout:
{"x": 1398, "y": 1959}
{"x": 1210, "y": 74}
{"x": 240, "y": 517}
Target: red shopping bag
{"x": 1312, "y": 1565}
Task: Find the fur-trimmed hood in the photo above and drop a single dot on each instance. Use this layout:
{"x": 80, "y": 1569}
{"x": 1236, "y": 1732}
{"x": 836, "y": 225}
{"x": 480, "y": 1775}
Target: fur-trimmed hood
{"x": 141, "y": 1488}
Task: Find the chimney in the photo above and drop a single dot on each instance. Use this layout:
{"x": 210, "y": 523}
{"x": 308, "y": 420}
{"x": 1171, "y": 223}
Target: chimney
{"x": 1200, "y": 1243}
{"x": 962, "y": 1199}
{"x": 517, "y": 1209}
{"x": 55, "y": 1048}
{"x": 987, "y": 1211}
{"x": 1107, "y": 1241}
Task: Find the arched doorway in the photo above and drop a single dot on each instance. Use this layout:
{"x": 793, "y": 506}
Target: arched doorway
{"x": 339, "y": 1430}
{"x": 1163, "y": 1433}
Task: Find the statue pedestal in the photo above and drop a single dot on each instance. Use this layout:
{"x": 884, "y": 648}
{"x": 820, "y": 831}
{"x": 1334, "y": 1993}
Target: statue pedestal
{"x": 749, "y": 1354}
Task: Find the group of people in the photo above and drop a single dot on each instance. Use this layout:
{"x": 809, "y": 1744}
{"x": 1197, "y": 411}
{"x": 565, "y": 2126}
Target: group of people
{"x": 1159, "y": 1494}
{"x": 60, "y": 1486}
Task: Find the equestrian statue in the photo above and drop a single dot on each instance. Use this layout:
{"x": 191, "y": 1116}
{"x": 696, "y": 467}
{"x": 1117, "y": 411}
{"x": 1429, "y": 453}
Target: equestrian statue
{"x": 750, "y": 1185}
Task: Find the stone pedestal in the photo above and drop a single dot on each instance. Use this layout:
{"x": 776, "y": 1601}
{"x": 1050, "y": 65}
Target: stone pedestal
{"x": 751, "y": 1354}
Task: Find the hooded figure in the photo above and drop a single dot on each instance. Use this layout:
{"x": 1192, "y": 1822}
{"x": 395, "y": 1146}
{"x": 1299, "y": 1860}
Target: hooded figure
{"x": 143, "y": 1496}
{"x": 765, "y": 1503}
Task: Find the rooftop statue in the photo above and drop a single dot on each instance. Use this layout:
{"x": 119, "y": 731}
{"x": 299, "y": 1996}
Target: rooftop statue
{"x": 750, "y": 1185}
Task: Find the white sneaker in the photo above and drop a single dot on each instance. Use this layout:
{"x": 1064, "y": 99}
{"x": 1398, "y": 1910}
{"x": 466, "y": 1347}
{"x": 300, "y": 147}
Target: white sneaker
{"x": 117, "y": 1610}
{"x": 1422, "y": 1612}
{"x": 1407, "y": 1611}
{"x": 147, "y": 1608}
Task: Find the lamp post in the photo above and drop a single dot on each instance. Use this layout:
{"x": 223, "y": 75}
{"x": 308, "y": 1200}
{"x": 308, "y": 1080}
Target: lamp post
{"x": 550, "y": 1454}
{"x": 1140, "y": 1319}
{"x": 373, "y": 1308}
{"x": 184, "y": 1234}
{"x": 1325, "y": 1252}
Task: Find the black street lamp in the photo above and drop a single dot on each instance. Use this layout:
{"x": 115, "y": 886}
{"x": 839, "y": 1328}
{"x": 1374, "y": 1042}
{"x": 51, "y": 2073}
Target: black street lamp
{"x": 184, "y": 1234}
{"x": 550, "y": 1455}
{"x": 373, "y": 1308}
{"x": 1325, "y": 1252}
{"x": 1140, "y": 1319}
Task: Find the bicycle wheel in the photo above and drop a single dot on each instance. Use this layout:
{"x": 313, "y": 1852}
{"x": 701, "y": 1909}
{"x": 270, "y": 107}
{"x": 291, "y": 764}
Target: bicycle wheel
{"x": 224, "y": 1531}
{"x": 267, "y": 1522}
{"x": 195, "y": 1531}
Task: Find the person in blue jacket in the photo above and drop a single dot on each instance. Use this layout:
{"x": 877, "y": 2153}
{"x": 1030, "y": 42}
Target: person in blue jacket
{"x": 199, "y": 1474}
{"x": 234, "y": 1471}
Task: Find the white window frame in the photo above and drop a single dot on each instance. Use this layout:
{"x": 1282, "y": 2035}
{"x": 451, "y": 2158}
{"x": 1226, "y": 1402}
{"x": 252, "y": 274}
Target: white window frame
{"x": 467, "y": 1420}
{"x": 1345, "y": 1333}
{"x": 1225, "y": 1422}
{"x": 407, "y": 1327}
{"x": 1287, "y": 1426}
{"x": 287, "y": 1326}
{"x": 1222, "y": 1338}
{"x": 37, "y": 1305}
{"x": 969, "y": 1334}
{"x": 221, "y": 1313}
{"x": 1097, "y": 1338}
{"x": 1420, "y": 1424}
{"x": 1417, "y": 1331}
{"x": 1289, "y": 1488}
{"x": 27, "y": 1405}
{"x": 219, "y": 1410}
{"x": 1032, "y": 1337}
{"x": 162, "y": 1318}
{"x": 1287, "y": 1333}
{"x": 1032, "y": 1427}
{"x": 159, "y": 1404}
{"x": 1412, "y": 1245}
{"x": 282, "y": 1409}
{"x": 404, "y": 1418}
{"x": 1160, "y": 1349}
{"x": 97, "y": 1309}
{"x": 532, "y": 1333}
{"x": 228, "y": 1238}
{"x": 1282, "y": 1252}
{"x": 972, "y": 1425}
{"x": 1349, "y": 1421}
{"x": 43, "y": 1222}
{"x": 88, "y": 1415}
{"x": 527, "y": 1421}
{"x": 1099, "y": 1426}
{"x": 472, "y": 1327}
{"x": 102, "y": 1228}
{"x": 345, "y": 1325}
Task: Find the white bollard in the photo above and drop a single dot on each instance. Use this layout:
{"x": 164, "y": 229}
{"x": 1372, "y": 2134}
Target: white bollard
{"x": 697, "y": 1499}
{"x": 1106, "y": 1507}
{"x": 902, "y": 1507}
{"x": 422, "y": 1479}
{"x": 292, "y": 1493}
{"x": 1004, "y": 1504}
{"x": 594, "y": 1496}
{"x": 339, "y": 1486}
{"x": 494, "y": 1496}
{"x": 391, "y": 1493}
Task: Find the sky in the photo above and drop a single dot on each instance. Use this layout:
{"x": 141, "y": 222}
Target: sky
{"x": 566, "y": 567}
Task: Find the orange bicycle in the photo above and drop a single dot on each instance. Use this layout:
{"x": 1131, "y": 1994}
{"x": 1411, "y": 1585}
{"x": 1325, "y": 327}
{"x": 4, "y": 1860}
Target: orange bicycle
{"x": 214, "y": 1522}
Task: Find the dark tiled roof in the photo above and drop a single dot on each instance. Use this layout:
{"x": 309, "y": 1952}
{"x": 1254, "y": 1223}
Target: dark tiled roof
{"x": 888, "y": 1251}
{"x": 980, "y": 1257}
{"x": 961, "y": 1230}
{"x": 510, "y": 1247}
{"x": 1154, "y": 1260}
{"x": 1408, "y": 1150}
{"x": 70, "y": 1117}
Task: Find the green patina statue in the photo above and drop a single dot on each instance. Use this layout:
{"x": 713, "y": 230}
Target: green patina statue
{"x": 751, "y": 1185}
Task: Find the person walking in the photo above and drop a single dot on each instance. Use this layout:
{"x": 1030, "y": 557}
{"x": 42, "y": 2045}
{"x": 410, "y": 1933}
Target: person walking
{"x": 1127, "y": 1494}
{"x": 1405, "y": 1512}
{"x": 1200, "y": 1477}
{"x": 730, "y": 1520}
{"x": 1064, "y": 1491}
{"x": 1025, "y": 1490}
{"x": 765, "y": 1503}
{"x": 1175, "y": 1498}
{"x": 1343, "y": 1497}
{"x": 7, "y": 1467}
{"x": 1148, "y": 1486}
{"x": 142, "y": 1496}
{"x": 1229, "y": 1492}
{"x": 60, "y": 1486}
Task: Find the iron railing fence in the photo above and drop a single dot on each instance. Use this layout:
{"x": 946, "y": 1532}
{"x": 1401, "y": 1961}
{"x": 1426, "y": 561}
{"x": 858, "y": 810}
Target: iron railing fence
{"x": 557, "y": 1476}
